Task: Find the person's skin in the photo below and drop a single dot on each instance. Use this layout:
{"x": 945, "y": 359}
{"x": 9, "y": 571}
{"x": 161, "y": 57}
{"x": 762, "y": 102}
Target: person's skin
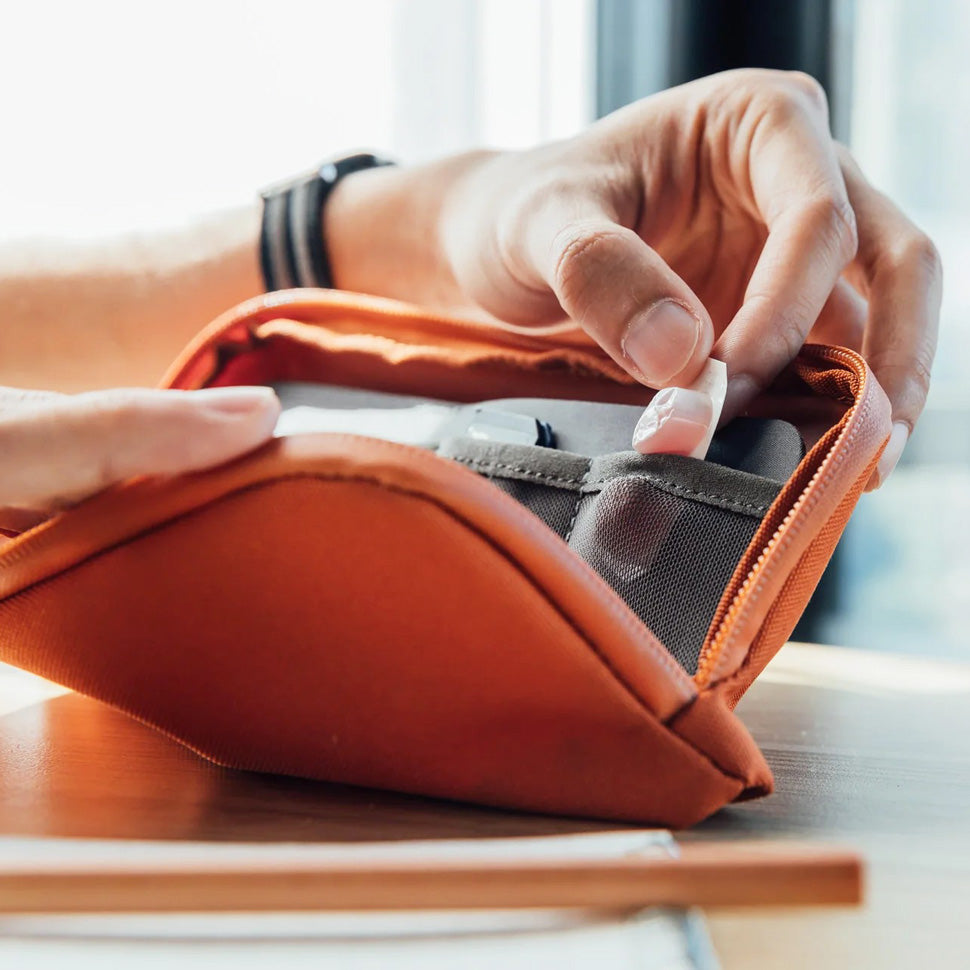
{"x": 80, "y": 318}
{"x": 718, "y": 218}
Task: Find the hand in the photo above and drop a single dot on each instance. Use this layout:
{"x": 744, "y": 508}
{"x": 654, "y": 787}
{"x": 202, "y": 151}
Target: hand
{"x": 718, "y": 216}
{"x": 714, "y": 218}
{"x": 56, "y": 449}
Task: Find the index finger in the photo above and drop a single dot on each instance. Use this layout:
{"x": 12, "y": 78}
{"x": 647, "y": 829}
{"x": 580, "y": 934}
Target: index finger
{"x": 57, "y": 449}
{"x": 799, "y": 192}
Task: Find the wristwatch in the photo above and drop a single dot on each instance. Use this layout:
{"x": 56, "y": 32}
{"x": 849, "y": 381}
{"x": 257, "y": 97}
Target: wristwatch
{"x": 292, "y": 250}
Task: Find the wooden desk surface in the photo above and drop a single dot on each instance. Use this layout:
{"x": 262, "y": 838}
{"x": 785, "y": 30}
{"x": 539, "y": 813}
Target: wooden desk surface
{"x": 869, "y": 750}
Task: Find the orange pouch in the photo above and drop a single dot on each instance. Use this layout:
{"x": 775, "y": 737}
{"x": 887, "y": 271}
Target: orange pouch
{"x": 497, "y": 623}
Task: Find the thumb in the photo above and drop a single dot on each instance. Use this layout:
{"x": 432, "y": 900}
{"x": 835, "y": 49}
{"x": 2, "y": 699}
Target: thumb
{"x": 58, "y": 449}
{"x": 628, "y": 300}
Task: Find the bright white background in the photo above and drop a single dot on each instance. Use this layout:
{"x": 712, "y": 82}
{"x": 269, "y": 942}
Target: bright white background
{"x": 120, "y": 114}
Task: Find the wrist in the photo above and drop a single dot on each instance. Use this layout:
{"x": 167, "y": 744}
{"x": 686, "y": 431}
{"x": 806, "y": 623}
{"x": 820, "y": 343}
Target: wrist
{"x": 382, "y": 230}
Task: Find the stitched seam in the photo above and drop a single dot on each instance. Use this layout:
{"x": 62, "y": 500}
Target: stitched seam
{"x": 595, "y": 485}
{"x": 485, "y": 467}
{"x": 681, "y": 491}
{"x": 579, "y": 502}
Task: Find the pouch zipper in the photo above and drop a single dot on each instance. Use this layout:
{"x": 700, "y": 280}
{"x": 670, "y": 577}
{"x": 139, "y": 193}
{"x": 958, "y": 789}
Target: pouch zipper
{"x": 744, "y": 593}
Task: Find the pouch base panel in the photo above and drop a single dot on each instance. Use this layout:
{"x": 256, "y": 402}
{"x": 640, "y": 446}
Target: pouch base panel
{"x": 411, "y": 655}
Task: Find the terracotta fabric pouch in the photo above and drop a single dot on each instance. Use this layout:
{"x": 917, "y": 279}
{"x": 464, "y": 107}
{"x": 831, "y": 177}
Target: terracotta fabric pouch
{"x": 507, "y": 623}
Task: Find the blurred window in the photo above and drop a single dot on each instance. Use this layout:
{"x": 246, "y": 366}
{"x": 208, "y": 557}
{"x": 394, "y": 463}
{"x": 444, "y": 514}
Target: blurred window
{"x": 903, "y": 576}
{"x": 120, "y": 114}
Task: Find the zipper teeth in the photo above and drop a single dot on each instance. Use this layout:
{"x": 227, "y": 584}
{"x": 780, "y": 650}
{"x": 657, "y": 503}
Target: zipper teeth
{"x": 741, "y": 600}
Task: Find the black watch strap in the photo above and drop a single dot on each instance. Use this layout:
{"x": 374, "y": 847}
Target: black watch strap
{"x": 292, "y": 250}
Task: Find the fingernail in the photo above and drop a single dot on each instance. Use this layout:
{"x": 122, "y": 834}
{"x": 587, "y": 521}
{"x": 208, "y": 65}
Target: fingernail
{"x": 661, "y": 342}
{"x": 237, "y": 400}
{"x": 893, "y": 451}
{"x": 674, "y": 423}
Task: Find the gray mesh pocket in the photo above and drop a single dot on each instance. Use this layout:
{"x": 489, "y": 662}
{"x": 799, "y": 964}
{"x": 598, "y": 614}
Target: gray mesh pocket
{"x": 665, "y": 532}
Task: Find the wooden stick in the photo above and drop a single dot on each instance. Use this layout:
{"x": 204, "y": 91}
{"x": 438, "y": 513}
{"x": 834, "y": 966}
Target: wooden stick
{"x": 709, "y": 875}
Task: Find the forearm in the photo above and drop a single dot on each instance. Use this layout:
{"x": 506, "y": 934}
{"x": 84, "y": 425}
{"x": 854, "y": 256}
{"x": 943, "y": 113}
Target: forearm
{"x": 383, "y": 232}
{"x": 84, "y": 316}
{"x": 87, "y": 315}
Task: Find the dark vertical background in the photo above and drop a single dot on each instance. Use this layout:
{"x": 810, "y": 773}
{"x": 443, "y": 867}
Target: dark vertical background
{"x": 707, "y": 36}
{"x": 646, "y": 45}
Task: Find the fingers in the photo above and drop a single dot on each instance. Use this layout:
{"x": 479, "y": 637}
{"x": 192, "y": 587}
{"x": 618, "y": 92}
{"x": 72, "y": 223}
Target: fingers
{"x": 57, "y": 449}
{"x": 798, "y": 189}
{"x": 624, "y": 296}
{"x": 675, "y": 423}
{"x": 682, "y": 420}
{"x": 898, "y": 269}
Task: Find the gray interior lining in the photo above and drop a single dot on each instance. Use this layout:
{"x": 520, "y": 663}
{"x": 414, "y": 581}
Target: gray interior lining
{"x": 665, "y": 531}
{"x": 688, "y": 478}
